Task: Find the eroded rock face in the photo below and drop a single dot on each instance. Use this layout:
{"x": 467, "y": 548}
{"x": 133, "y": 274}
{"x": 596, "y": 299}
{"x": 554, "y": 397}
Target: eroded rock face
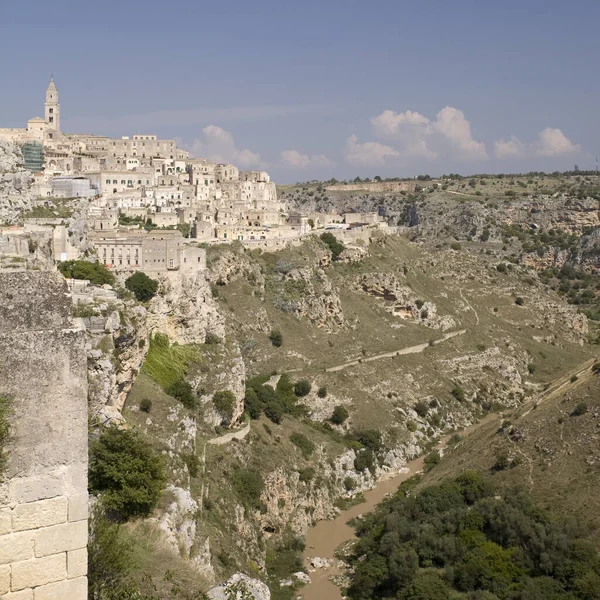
{"x": 401, "y": 301}
{"x": 15, "y": 183}
{"x": 240, "y": 587}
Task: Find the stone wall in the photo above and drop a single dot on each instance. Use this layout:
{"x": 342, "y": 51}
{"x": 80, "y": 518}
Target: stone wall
{"x": 43, "y": 499}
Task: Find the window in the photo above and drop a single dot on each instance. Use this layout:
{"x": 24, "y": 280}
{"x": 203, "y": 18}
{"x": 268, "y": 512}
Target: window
{"x": 51, "y": 111}
{"x": 114, "y": 182}
{"x": 50, "y": 135}
{"x": 122, "y": 182}
{"x": 108, "y": 181}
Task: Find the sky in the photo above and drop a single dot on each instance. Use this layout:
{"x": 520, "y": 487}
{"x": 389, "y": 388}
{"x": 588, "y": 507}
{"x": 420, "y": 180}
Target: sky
{"x": 319, "y": 89}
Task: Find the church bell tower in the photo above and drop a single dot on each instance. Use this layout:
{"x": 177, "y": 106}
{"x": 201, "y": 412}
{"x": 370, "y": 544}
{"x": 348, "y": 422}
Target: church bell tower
{"x": 52, "y": 107}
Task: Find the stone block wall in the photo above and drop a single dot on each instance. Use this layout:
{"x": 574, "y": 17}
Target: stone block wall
{"x": 43, "y": 498}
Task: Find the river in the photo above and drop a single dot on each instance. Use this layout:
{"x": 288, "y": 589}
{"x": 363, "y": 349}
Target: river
{"x": 325, "y": 537}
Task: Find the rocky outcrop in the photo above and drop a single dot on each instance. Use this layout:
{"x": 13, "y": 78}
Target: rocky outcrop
{"x": 15, "y": 183}
{"x": 240, "y": 587}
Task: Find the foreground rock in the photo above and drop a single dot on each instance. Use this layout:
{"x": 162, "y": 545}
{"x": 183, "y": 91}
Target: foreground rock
{"x": 240, "y": 587}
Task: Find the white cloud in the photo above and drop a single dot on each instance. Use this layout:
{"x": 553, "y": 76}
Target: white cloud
{"x": 550, "y": 142}
{"x": 219, "y": 145}
{"x": 553, "y": 142}
{"x": 416, "y": 136}
{"x": 451, "y": 123}
{"x": 295, "y": 160}
{"x": 368, "y": 153}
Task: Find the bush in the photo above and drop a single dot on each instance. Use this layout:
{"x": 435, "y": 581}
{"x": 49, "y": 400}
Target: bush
{"x": 519, "y": 301}
{"x": 307, "y": 474}
{"x": 458, "y": 393}
{"x": 349, "y": 484}
{"x": 502, "y": 462}
{"x": 432, "y": 459}
{"x": 276, "y": 338}
{"x": 580, "y": 409}
{"x": 225, "y": 402}
{"x": 126, "y": 472}
{"x": 96, "y": 273}
{"x": 531, "y": 368}
{"x": 455, "y": 246}
{"x": 302, "y": 388}
{"x": 302, "y": 442}
{"x": 335, "y": 246}
{"x": 274, "y": 411}
{"x": 212, "y": 339}
{"x": 421, "y": 408}
{"x": 339, "y": 415}
{"x": 322, "y": 393}
{"x": 574, "y": 378}
{"x": 182, "y": 391}
{"x": 252, "y": 405}
{"x": 501, "y": 268}
{"x": 248, "y": 485}
{"x": 411, "y": 426}
{"x": 192, "y": 462}
{"x": 364, "y": 460}
{"x": 145, "y": 405}
{"x": 143, "y": 287}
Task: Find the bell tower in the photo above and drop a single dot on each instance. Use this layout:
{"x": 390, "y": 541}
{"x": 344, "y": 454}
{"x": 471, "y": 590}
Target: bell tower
{"x": 52, "y": 107}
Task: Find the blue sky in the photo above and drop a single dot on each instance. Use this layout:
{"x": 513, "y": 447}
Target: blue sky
{"x": 319, "y": 89}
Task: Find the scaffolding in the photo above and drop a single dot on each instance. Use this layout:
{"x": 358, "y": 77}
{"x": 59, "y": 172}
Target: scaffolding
{"x": 33, "y": 155}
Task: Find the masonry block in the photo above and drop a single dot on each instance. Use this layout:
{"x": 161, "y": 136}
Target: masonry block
{"x": 39, "y": 571}
{"x": 78, "y": 507}
{"x": 60, "y": 538}
{"x": 74, "y": 589}
{"x": 43, "y": 513}
{"x": 16, "y": 546}
{"x": 22, "y": 595}
{"x": 5, "y": 521}
{"x": 77, "y": 563}
{"x": 4, "y": 579}
{"x": 30, "y": 489}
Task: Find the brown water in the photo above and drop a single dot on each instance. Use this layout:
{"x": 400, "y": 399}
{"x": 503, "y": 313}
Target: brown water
{"x": 325, "y": 537}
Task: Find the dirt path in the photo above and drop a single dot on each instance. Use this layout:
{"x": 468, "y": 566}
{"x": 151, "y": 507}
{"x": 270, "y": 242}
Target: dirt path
{"x": 470, "y": 306}
{"x": 410, "y": 350}
{"x": 240, "y": 434}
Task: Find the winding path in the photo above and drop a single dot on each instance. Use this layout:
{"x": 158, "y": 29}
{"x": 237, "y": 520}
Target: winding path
{"x": 410, "y": 350}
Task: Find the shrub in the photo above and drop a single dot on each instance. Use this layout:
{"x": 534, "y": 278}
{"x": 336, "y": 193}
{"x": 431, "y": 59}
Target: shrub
{"x": 349, "y": 484}
{"x": 421, "y": 408}
{"x": 432, "y": 459}
{"x": 302, "y": 388}
{"x": 276, "y": 338}
{"x": 248, "y": 485}
{"x": 411, "y": 426}
{"x": 274, "y": 411}
{"x": 501, "y": 268}
{"x": 322, "y": 393}
{"x": 502, "y": 462}
{"x": 126, "y": 472}
{"x": 225, "y": 402}
{"x": 531, "y": 368}
{"x": 574, "y": 378}
{"x": 96, "y": 273}
{"x": 580, "y": 409}
{"x": 252, "y": 405}
{"x": 339, "y": 415}
{"x": 145, "y": 405}
{"x": 142, "y": 286}
{"x": 212, "y": 339}
{"x": 458, "y": 393}
{"x": 455, "y": 246}
{"x": 302, "y": 442}
{"x": 192, "y": 462}
{"x": 307, "y": 474}
{"x": 364, "y": 460}
{"x": 335, "y": 246}
{"x": 519, "y": 301}
{"x": 182, "y": 391}
{"x": 419, "y": 304}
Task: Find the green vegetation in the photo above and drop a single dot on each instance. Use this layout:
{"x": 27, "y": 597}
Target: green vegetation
{"x": 519, "y": 301}
{"x": 146, "y": 405}
{"x": 143, "y": 287}
{"x": 282, "y": 560}
{"x": 322, "y": 392}
{"x": 339, "y": 415}
{"x": 248, "y": 485}
{"x": 276, "y": 338}
{"x": 302, "y": 388}
{"x": 225, "y": 402}
{"x": 274, "y": 403}
{"x": 183, "y": 391}
{"x": 126, "y": 472}
{"x": 458, "y": 539}
{"x": 167, "y": 363}
{"x": 94, "y": 272}
{"x": 5, "y": 414}
{"x": 302, "y": 442}
{"x": 580, "y": 409}
{"x": 335, "y": 246}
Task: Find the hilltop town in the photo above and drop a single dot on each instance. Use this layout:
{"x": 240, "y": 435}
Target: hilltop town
{"x": 141, "y": 202}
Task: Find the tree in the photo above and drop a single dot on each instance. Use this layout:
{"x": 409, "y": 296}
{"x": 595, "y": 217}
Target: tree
{"x": 184, "y": 392}
{"x": 143, "y": 287}
{"x": 302, "y": 388}
{"x": 335, "y": 246}
{"x": 126, "y": 472}
{"x": 276, "y": 338}
{"x": 339, "y": 415}
{"x": 185, "y": 229}
{"x": 95, "y": 273}
{"x": 225, "y": 402}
